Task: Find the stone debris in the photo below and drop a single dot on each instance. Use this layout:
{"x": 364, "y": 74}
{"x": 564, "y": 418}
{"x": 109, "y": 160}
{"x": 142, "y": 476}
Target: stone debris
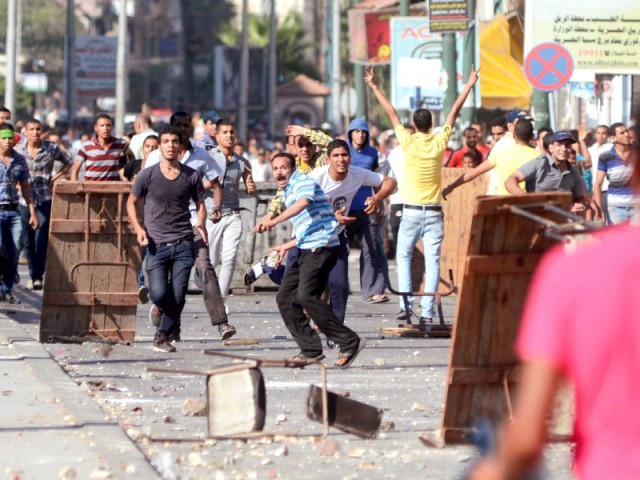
{"x": 417, "y": 407}
{"x": 327, "y": 448}
{"x": 67, "y": 473}
{"x": 194, "y": 407}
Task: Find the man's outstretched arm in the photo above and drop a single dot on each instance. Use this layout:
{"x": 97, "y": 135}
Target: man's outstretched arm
{"x": 370, "y": 79}
{"x": 457, "y": 106}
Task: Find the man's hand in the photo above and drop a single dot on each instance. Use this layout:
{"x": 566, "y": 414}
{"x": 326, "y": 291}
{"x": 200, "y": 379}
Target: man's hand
{"x": 251, "y": 185}
{"x": 262, "y": 226}
{"x": 142, "y": 238}
{"x": 446, "y": 191}
{"x": 578, "y": 208}
{"x": 582, "y": 132}
{"x": 33, "y": 222}
{"x": 203, "y": 233}
{"x": 342, "y": 219}
{"x": 282, "y": 251}
{"x": 474, "y": 76}
{"x": 216, "y": 216}
{"x": 371, "y": 205}
{"x": 370, "y": 77}
{"x": 294, "y": 131}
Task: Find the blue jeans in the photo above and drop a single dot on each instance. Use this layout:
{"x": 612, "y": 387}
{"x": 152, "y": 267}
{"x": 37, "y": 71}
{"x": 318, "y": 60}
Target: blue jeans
{"x": 168, "y": 270}
{"x": 429, "y": 225}
{"x": 371, "y": 276}
{"x": 621, "y": 214}
{"x": 35, "y": 242}
{"x": 10, "y": 233}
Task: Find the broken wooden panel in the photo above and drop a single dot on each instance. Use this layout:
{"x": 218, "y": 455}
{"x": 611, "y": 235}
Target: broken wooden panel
{"x": 345, "y": 413}
{"x": 503, "y": 252}
{"x": 93, "y": 264}
{"x": 237, "y": 402}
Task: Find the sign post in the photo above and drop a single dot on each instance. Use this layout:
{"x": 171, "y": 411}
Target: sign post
{"x": 548, "y": 66}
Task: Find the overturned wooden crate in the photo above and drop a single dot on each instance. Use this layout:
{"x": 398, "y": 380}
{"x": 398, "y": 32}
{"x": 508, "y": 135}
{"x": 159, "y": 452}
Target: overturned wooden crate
{"x": 508, "y": 237}
{"x": 93, "y": 265}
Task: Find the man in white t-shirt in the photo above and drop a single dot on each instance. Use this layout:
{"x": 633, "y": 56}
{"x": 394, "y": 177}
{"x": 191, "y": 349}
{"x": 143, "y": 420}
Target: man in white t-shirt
{"x": 340, "y": 182}
{"x": 601, "y": 145}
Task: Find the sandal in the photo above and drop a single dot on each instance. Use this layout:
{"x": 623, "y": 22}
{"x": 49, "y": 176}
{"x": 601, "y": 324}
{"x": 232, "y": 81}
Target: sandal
{"x": 379, "y": 298}
{"x": 346, "y": 358}
{"x": 306, "y": 358}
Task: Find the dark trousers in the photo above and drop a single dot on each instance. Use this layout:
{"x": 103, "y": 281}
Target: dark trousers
{"x": 302, "y": 286}
{"x": 371, "y": 277}
{"x": 339, "y": 280}
{"x": 35, "y": 242}
{"x": 210, "y": 287}
{"x": 168, "y": 270}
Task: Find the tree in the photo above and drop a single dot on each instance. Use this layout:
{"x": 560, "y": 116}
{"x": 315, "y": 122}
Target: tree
{"x": 290, "y": 44}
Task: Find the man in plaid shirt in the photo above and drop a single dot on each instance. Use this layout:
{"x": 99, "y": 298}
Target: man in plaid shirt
{"x": 41, "y": 156}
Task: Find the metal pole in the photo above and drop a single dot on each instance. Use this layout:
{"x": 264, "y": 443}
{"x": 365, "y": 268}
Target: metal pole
{"x": 404, "y": 8}
{"x": 10, "y": 88}
{"x": 18, "y": 39}
{"x": 335, "y": 66}
{"x": 449, "y": 64}
{"x": 358, "y": 83}
{"x": 241, "y": 127}
{"x": 468, "y": 59}
{"x": 272, "y": 70}
{"x": 121, "y": 69}
{"x": 68, "y": 60}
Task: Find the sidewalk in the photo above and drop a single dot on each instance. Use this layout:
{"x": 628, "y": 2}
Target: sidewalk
{"x": 48, "y": 424}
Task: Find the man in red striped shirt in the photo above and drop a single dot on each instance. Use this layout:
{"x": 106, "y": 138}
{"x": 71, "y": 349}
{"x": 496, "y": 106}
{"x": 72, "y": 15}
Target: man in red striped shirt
{"x": 103, "y": 156}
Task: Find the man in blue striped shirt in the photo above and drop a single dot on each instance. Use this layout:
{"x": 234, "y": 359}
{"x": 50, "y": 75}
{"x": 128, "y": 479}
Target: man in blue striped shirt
{"x": 314, "y": 226}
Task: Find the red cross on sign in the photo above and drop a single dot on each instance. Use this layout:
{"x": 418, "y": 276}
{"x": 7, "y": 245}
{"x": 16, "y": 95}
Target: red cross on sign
{"x": 548, "y": 66}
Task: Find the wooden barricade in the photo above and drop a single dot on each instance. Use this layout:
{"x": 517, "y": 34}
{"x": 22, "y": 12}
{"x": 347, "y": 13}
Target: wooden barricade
{"x": 458, "y": 210}
{"x": 503, "y": 251}
{"x": 93, "y": 264}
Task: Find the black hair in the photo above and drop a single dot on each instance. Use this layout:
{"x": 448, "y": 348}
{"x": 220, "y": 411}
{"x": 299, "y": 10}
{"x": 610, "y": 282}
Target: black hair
{"x": 468, "y": 129}
{"x": 337, "y": 143}
{"x": 614, "y": 127}
{"x": 222, "y": 122}
{"x": 423, "y": 120}
{"x": 523, "y": 130}
{"x": 102, "y": 115}
{"x": 33, "y": 120}
{"x": 499, "y": 122}
{"x": 6, "y": 126}
{"x": 542, "y": 130}
{"x": 169, "y": 130}
{"x": 152, "y": 137}
{"x": 292, "y": 159}
{"x": 179, "y": 113}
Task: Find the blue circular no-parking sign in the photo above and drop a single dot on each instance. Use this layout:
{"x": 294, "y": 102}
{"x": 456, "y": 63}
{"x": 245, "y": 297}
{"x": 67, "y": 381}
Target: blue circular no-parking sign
{"x": 548, "y": 66}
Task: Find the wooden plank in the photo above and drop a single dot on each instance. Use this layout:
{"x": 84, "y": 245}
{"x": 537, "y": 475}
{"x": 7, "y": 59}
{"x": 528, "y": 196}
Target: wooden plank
{"x": 80, "y": 188}
{"x": 496, "y": 264}
{"x": 482, "y": 375}
{"x": 90, "y": 298}
{"x": 488, "y": 205}
{"x": 78, "y": 226}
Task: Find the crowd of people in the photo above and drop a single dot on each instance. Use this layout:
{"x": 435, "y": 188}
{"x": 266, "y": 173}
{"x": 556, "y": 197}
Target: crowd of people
{"x": 384, "y": 190}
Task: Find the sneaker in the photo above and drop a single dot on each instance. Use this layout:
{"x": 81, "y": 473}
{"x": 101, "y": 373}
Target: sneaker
{"x": 155, "y": 315}
{"x": 402, "y": 315}
{"x": 9, "y": 298}
{"x": 143, "y": 294}
{"x": 254, "y": 272}
{"x": 161, "y": 344}
{"x": 424, "y": 320}
{"x": 331, "y": 344}
{"x": 37, "y": 284}
{"x": 226, "y": 331}
{"x": 174, "y": 336}
{"x": 30, "y": 285}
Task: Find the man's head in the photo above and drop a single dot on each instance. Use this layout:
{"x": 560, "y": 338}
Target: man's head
{"x": 5, "y": 115}
{"x": 620, "y": 133}
{"x": 282, "y": 165}
{"x": 238, "y": 149}
{"x": 470, "y": 137}
{"x": 209, "y": 121}
{"x": 226, "y": 134}
{"x": 422, "y": 120}
{"x": 498, "y": 128}
{"x": 602, "y": 134}
{"x": 182, "y": 121}
{"x": 542, "y": 133}
{"x": 338, "y": 157}
{"x": 523, "y": 132}
{"x": 292, "y": 144}
{"x": 560, "y": 145}
{"x": 480, "y": 129}
{"x": 514, "y": 116}
{"x": 103, "y": 126}
{"x": 33, "y": 130}
{"x": 633, "y": 135}
{"x": 306, "y": 149}
{"x": 170, "y": 140}
{"x": 6, "y": 137}
{"x": 149, "y": 145}
{"x": 141, "y": 123}
{"x": 359, "y": 138}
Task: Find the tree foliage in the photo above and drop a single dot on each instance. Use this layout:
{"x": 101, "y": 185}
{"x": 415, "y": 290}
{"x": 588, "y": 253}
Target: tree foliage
{"x": 290, "y": 44}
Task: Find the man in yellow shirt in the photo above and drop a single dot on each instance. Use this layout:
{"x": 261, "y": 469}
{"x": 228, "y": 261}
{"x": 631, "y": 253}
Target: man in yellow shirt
{"x": 420, "y": 191}
{"x": 506, "y": 161}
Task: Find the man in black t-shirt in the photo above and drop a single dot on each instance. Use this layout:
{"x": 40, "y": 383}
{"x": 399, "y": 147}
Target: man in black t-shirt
{"x": 131, "y": 169}
{"x": 167, "y": 189}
